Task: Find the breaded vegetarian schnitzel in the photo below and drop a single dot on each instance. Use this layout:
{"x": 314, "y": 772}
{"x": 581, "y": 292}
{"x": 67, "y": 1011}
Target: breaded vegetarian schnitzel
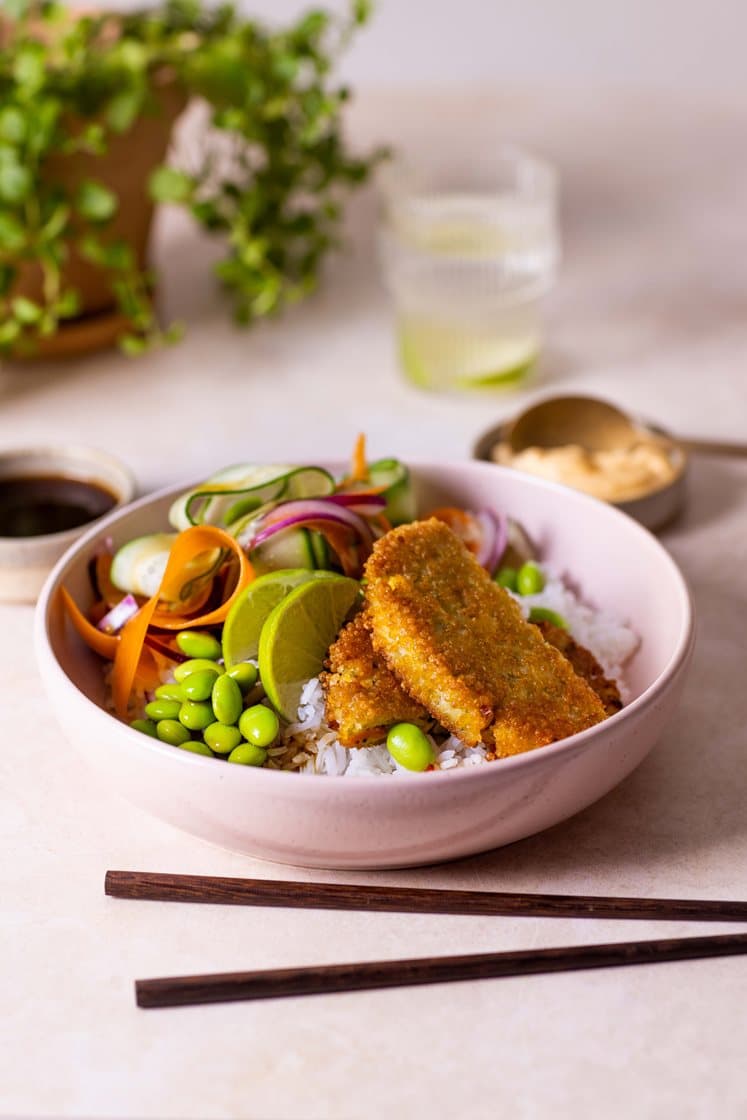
{"x": 363, "y": 698}
{"x": 585, "y": 664}
{"x": 459, "y": 645}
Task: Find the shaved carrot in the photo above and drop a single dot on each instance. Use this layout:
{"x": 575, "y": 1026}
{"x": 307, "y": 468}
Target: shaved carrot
{"x": 103, "y": 644}
{"x": 359, "y": 466}
{"x": 188, "y": 544}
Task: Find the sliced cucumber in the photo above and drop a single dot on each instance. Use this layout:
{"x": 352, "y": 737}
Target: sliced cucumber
{"x": 400, "y": 500}
{"x": 233, "y": 493}
{"x": 320, "y": 550}
{"x": 292, "y": 548}
{"x": 139, "y": 565}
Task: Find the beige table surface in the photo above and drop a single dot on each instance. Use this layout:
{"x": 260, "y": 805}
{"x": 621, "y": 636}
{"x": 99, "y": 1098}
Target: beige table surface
{"x": 651, "y": 310}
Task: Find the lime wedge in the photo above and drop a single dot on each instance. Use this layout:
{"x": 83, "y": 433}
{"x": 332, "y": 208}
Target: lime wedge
{"x": 297, "y": 635}
{"x": 246, "y": 617}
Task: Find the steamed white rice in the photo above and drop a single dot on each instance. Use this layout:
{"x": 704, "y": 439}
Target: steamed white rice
{"x": 311, "y": 747}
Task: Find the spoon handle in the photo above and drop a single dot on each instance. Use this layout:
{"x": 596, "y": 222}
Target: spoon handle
{"x": 714, "y": 447}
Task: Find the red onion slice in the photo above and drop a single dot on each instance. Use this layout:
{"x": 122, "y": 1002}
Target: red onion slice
{"x": 114, "y": 620}
{"x": 494, "y": 538}
{"x": 366, "y": 504}
{"x": 313, "y": 509}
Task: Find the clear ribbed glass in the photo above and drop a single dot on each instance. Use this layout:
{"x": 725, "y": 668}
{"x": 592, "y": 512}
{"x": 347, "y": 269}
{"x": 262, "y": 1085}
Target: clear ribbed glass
{"x": 467, "y": 268}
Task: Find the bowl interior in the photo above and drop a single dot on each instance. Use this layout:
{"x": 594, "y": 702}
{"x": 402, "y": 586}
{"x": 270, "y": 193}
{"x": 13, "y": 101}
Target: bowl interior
{"x": 607, "y": 557}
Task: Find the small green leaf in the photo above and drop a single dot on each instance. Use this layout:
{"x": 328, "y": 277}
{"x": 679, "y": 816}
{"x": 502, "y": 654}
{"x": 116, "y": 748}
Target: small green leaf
{"x": 12, "y": 125}
{"x": 28, "y": 67}
{"x": 9, "y": 331}
{"x": 133, "y": 345}
{"x": 124, "y": 109}
{"x": 12, "y": 234}
{"x": 167, "y": 184}
{"x": 26, "y": 311}
{"x": 67, "y": 305}
{"x": 15, "y": 183}
{"x": 95, "y": 202}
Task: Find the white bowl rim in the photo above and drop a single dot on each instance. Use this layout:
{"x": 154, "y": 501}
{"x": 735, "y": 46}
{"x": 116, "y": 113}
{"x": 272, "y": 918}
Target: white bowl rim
{"x": 526, "y": 760}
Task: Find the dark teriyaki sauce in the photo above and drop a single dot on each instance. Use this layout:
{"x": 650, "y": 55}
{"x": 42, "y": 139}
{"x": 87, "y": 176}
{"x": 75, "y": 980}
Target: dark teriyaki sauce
{"x": 35, "y": 505}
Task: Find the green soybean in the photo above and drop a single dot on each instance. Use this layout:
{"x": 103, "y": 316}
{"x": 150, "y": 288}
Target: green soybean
{"x": 544, "y": 614}
{"x": 199, "y": 685}
{"x": 196, "y": 643}
{"x": 194, "y": 666}
{"x": 245, "y": 674}
{"x": 196, "y": 746}
{"x": 171, "y": 691}
{"x": 163, "y": 709}
{"x": 221, "y": 738}
{"x": 506, "y": 577}
{"x": 227, "y": 699}
{"x": 260, "y": 725}
{"x": 530, "y": 579}
{"x": 146, "y": 726}
{"x": 409, "y": 746}
{"x": 248, "y": 754}
{"x": 195, "y": 715}
{"x": 172, "y": 731}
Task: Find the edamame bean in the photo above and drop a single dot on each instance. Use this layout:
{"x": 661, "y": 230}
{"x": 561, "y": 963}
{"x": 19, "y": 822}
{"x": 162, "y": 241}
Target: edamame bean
{"x": 227, "y": 699}
{"x": 530, "y": 579}
{"x": 199, "y": 685}
{"x": 409, "y": 746}
{"x": 544, "y": 614}
{"x": 195, "y": 715}
{"x": 196, "y": 643}
{"x": 171, "y": 731}
{"x": 146, "y": 726}
{"x": 194, "y": 666}
{"x": 248, "y": 754}
{"x": 260, "y": 725}
{"x": 245, "y": 674}
{"x": 506, "y": 577}
{"x": 170, "y": 691}
{"x": 196, "y": 747}
{"x": 221, "y": 738}
{"x": 163, "y": 709}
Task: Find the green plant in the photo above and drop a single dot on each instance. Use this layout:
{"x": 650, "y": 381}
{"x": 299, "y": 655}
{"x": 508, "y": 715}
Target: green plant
{"x": 268, "y": 174}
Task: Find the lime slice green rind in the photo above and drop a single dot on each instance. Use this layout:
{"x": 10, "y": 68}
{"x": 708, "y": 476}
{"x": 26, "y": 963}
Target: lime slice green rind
{"x": 297, "y": 635}
{"x": 246, "y": 617}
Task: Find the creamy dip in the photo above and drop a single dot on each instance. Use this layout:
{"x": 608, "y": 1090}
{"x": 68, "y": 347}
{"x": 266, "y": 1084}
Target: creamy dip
{"x": 615, "y": 475}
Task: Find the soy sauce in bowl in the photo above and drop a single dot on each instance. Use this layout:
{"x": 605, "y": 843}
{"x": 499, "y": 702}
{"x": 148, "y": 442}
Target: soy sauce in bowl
{"x": 36, "y": 505}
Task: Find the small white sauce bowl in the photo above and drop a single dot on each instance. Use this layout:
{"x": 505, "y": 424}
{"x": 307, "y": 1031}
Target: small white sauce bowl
{"x": 25, "y": 562}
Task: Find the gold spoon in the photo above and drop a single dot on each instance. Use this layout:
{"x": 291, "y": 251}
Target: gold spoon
{"x": 589, "y": 422}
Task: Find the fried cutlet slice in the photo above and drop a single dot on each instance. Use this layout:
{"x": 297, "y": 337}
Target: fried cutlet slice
{"x": 459, "y": 645}
{"x": 363, "y": 698}
{"x": 585, "y": 664}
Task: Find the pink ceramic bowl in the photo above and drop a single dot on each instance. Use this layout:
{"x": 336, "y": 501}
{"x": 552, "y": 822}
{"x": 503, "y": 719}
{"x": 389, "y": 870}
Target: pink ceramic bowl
{"x": 375, "y": 822}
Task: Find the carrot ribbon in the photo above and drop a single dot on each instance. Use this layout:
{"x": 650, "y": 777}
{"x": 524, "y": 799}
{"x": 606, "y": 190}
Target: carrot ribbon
{"x": 126, "y": 649}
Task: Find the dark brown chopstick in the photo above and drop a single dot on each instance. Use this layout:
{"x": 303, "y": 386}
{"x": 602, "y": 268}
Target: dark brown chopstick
{"x": 411, "y": 900}
{"x": 178, "y": 991}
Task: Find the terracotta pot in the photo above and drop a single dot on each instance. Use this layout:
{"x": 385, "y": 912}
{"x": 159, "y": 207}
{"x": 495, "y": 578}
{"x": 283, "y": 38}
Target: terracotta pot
{"x": 125, "y": 169}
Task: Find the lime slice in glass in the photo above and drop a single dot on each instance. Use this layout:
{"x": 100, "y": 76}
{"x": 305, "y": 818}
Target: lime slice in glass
{"x": 297, "y": 635}
{"x": 246, "y": 617}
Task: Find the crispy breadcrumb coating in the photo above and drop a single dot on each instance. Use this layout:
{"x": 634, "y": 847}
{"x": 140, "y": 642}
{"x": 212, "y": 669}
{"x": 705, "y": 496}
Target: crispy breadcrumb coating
{"x": 584, "y": 664}
{"x": 459, "y": 645}
{"x": 363, "y": 698}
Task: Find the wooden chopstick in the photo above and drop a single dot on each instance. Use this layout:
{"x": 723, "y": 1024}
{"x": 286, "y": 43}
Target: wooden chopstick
{"x": 178, "y": 991}
{"x": 410, "y": 900}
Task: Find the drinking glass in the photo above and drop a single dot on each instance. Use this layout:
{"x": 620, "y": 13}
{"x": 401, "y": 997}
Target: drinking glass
{"x": 467, "y": 260}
